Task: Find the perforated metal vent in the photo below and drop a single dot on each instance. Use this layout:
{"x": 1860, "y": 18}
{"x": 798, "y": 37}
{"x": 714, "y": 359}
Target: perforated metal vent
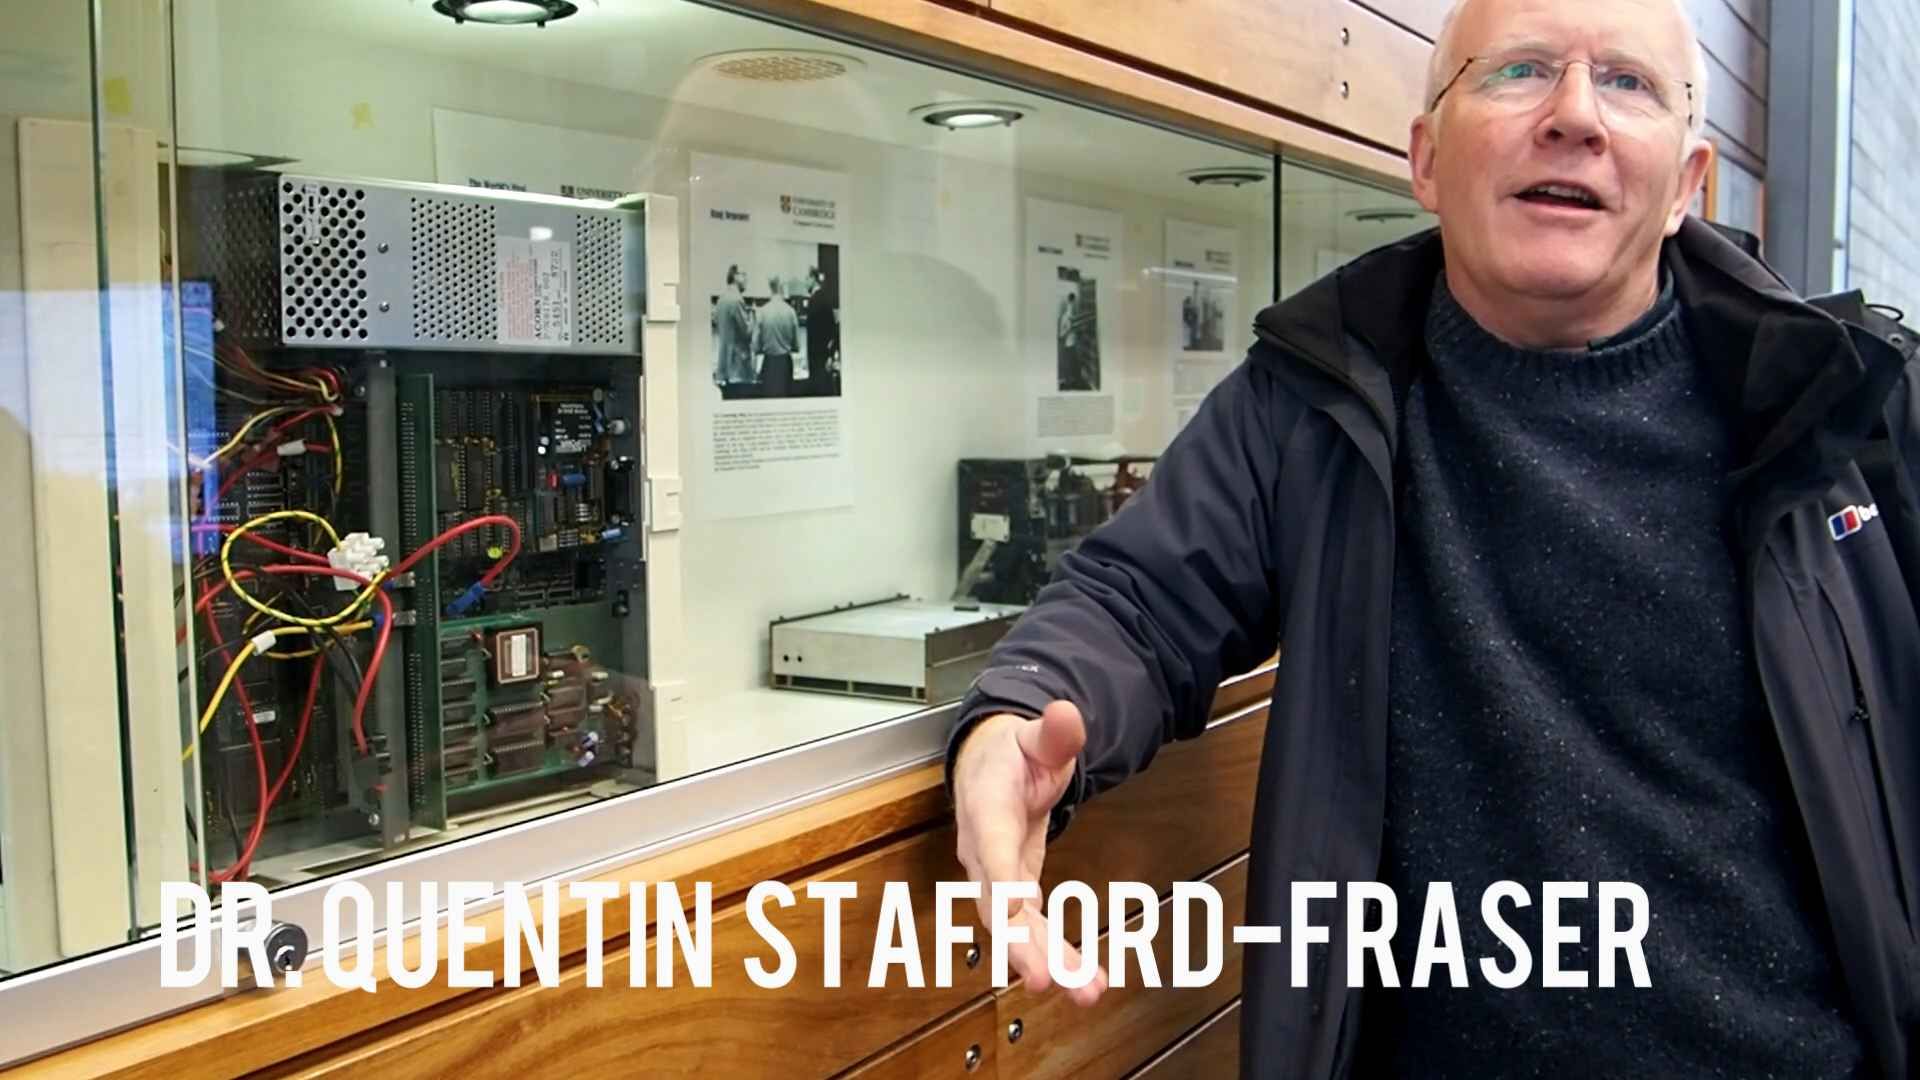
{"x": 323, "y": 251}
{"x": 601, "y": 281}
{"x": 780, "y": 65}
{"x": 232, "y": 242}
{"x": 456, "y": 288}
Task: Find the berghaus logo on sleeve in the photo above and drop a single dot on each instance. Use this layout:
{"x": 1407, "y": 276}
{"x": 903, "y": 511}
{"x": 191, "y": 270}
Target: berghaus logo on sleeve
{"x": 1852, "y": 520}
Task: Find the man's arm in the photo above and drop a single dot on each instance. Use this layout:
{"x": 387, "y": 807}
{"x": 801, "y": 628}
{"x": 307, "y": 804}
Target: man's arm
{"x": 1151, "y": 611}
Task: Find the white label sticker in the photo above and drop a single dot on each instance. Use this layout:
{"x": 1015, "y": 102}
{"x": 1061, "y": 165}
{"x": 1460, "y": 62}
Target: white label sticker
{"x": 309, "y": 211}
{"x": 536, "y": 291}
{"x": 517, "y": 664}
{"x": 995, "y": 527}
{"x": 265, "y": 716}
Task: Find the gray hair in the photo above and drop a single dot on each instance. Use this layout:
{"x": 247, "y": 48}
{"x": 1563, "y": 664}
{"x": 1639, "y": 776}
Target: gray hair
{"x": 1445, "y": 61}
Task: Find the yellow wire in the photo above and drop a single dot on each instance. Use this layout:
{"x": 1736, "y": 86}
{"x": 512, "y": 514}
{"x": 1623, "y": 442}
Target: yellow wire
{"x": 241, "y": 435}
{"x": 333, "y": 433}
{"x": 247, "y": 629}
{"x": 233, "y": 583}
{"x": 233, "y": 669}
{"x": 253, "y": 372}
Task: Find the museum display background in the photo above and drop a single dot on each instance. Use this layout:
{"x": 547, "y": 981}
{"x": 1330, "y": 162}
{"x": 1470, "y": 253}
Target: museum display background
{"x": 935, "y": 324}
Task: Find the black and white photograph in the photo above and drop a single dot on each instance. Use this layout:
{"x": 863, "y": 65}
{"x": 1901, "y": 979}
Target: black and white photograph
{"x": 776, "y": 324}
{"x": 1203, "y": 318}
{"x": 1077, "y": 330}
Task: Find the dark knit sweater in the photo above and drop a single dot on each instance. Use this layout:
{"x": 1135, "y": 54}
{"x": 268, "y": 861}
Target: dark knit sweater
{"x": 1572, "y": 699}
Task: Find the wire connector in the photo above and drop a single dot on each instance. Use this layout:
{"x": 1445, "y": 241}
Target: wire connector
{"x": 359, "y": 553}
{"x": 291, "y": 449}
{"x": 468, "y": 600}
{"x": 263, "y": 642}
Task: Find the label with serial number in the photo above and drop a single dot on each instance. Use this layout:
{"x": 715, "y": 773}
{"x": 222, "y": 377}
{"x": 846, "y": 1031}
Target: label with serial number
{"x": 536, "y": 291}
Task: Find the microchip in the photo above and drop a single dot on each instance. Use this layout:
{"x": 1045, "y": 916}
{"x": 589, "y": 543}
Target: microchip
{"x": 516, "y": 655}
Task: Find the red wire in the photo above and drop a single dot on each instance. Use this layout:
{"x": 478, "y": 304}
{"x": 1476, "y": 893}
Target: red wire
{"x": 379, "y": 642}
{"x": 290, "y": 422}
{"x": 328, "y": 374}
{"x": 254, "y": 462}
{"x": 259, "y": 822}
{"x": 373, "y": 668}
{"x": 271, "y": 545}
{"x": 512, "y": 527}
{"x": 269, "y": 795}
{"x": 300, "y": 735}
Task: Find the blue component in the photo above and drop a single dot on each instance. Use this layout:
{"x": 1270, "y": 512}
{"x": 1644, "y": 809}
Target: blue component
{"x": 468, "y": 600}
{"x": 196, "y": 337}
{"x": 608, "y": 536}
{"x": 573, "y": 479}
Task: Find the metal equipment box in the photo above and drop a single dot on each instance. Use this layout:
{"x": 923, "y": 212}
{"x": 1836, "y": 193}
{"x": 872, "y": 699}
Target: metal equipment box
{"x": 329, "y": 262}
{"x": 899, "y": 649}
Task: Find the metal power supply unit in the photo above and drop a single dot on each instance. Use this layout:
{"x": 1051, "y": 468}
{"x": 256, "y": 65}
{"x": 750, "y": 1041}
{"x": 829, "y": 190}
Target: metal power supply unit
{"x": 321, "y": 261}
{"x": 900, "y": 649}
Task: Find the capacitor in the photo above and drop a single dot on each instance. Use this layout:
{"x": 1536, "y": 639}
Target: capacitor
{"x": 617, "y": 426}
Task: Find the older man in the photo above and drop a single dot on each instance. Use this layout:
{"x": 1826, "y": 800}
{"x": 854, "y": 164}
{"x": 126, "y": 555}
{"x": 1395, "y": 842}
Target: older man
{"x": 1595, "y": 556}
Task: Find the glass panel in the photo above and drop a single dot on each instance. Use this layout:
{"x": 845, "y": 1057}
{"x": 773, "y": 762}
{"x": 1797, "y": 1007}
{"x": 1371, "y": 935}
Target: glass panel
{"x": 1327, "y": 219}
{"x": 507, "y": 418}
{"x": 91, "y": 785}
{"x": 46, "y": 451}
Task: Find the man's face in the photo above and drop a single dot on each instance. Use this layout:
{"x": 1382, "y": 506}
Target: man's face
{"x": 1478, "y": 161}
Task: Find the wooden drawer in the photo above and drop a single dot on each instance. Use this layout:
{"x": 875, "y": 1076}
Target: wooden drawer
{"x": 961, "y": 1047}
{"x": 1131, "y": 1023}
{"x": 1209, "y": 1052}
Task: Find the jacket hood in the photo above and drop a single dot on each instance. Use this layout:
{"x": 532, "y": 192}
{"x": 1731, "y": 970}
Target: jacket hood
{"x": 1806, "y": 389}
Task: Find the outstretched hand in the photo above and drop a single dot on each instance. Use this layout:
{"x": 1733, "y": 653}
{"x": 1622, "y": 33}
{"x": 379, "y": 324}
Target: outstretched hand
{"x": 1009, "y": 774}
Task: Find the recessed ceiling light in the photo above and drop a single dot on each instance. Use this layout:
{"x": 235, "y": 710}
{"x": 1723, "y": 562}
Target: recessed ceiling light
{"x": 780, "y": 65}
{"x": 962, "y": 115}
{"x": 505, "y": 12}
{"x": 1228, "y": 175}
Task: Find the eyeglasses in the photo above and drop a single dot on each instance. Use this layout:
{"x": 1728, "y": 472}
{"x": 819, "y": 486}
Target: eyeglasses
{"x": 1522, "y": 81}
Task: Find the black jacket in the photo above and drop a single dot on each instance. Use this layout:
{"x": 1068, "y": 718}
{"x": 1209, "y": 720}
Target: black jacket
{"x": 1270, "y": 522}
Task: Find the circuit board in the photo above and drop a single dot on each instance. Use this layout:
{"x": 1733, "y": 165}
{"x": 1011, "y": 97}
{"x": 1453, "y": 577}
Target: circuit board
{"x": 551, "y": 457}
{"x": 542, "y": 459}
{"x": 567, "y": 713}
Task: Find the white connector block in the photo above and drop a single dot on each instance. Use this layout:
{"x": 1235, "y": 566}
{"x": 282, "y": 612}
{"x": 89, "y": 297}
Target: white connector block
{"x": 360, "y": 554}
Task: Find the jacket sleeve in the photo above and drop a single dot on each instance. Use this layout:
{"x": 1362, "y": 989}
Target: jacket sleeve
{"x": 1143, "y": 619}
{"x": 1903, "y": 422}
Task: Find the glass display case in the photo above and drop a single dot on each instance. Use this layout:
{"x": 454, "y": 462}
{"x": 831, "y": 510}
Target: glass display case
{"x": 418, "y": 429}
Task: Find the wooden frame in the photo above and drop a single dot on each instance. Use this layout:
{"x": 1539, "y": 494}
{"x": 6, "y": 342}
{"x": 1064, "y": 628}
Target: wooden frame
{"x": 1747, "y": 211}
{"x": 1187, "y": 816}
{"x": 987, "y": 42}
